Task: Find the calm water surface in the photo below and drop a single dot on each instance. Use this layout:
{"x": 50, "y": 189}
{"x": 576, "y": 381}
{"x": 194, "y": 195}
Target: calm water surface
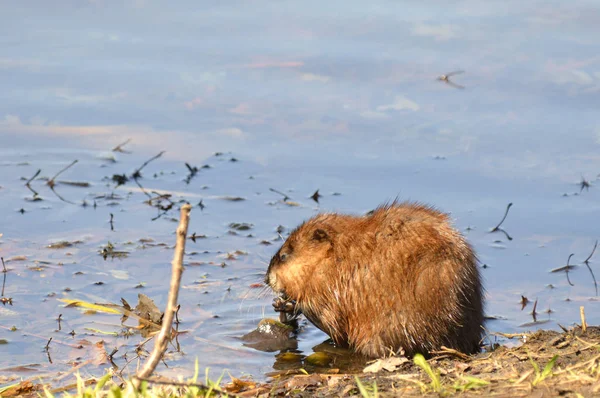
{"x": 340, "y": 97}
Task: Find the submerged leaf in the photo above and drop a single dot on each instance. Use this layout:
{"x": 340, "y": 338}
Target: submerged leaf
{"x": 90, "y": 306}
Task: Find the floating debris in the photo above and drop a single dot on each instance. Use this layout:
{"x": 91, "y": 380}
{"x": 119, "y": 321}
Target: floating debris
{"x": 241, "y": 226}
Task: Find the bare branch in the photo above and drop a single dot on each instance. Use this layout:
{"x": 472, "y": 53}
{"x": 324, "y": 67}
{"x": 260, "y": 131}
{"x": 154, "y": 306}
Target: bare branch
{"x": 165, "y": 333}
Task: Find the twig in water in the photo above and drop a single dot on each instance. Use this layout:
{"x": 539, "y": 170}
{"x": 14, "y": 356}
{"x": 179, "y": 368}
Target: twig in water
{"x": 587, "y": 264}
{"x": 137, "y": 173}
{"x": 2, "y": 298}
{"x": 285, "y": 197}
{"x": 119, "y": 148}
{"x": 142, "y": 188}
{"x": 584, "y": 184}
{"x": 52, "y": 182}
{"x": 567, "y": 269}
{"x": 534, "y": 312}
{"x": 497, "y": 227}
{"x": 27, "y": 184}
{"x": 446, "y": 79}
{"x": 164, "y": 335}
{"x": 59, "y": 319}
{"x": 163, "y": 209}
{"x": 193, "y": 171}
{"x": 48, "y": 344}
{"x": 592, "y": 253}
{"x": 111, "y": 356}
{"x": 60, "y": 197}
{"x": 315, "y": 196}
{"x": 112, "y": 226}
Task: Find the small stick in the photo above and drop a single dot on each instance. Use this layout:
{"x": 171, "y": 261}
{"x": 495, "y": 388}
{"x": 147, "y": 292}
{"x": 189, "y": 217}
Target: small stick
{"x": 173, "y": 383}
{"x": 582, "y": 314}
{"x": 285, "y": 197}
{"x": 112, "y": 226}
{"x": 52, "y": 181}
{"x": 512, "y": 335}
{"x": 193, "y": 171}
{"x": 48, "y": 344}
{"x": 450, "y": 351}
{"x": 119, "y": 148}
{"x": 4, "y": 271}
{"x": 33, "y": 178}
{"x": 142, "y": 188}
{"x": 315, "y": 196}
{"x": 593, "y": 276}
{"x": 60, "y": 197}
{"x": 503, "y": 218}
{"x": 163, "y": 337}
{"x": 136, "y": 174}
{"x": 534, "y": 312}
{"x": 584, "y": 184}
{"x": 29, "y": 182}
{"x": 59, "y": 319}
{"x": 567, "y": 269}
{"x": 592, "y": 253}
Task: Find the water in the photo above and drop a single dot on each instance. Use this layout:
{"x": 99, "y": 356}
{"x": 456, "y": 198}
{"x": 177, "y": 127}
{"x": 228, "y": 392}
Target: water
{"x": 341, "y": 97}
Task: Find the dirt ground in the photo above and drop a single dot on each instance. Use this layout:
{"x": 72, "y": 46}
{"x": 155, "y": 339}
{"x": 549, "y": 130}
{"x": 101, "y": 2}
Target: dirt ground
{"x": 547, "y": 364}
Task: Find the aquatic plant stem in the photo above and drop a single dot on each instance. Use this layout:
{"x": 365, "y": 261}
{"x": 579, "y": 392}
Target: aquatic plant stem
{"x": 164, "y": 335}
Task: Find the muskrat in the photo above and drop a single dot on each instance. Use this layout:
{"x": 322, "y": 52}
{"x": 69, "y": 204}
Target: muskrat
{"x": 398, "y": 278}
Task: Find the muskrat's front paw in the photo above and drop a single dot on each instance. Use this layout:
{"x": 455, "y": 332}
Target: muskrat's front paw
{"x": 280, "y": 304}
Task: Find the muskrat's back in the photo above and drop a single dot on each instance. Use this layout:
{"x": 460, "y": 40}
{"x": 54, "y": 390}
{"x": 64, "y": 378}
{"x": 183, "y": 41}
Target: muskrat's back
{"x": 398, "y": 278}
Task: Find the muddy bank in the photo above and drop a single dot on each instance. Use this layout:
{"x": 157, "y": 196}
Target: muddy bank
{"x": 547, "y": 363}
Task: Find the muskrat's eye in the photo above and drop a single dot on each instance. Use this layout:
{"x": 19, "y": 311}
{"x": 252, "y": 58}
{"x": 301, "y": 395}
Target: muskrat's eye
{"x": 283, "y": 256}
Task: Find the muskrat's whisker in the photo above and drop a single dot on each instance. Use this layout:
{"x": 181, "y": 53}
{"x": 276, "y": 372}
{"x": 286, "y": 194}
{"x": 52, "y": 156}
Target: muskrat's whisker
{"x": 244, "y": 298}
{"x": 265, "y": 292}
{"x": 262, "y": 259}
{"x": 254, "y": 293}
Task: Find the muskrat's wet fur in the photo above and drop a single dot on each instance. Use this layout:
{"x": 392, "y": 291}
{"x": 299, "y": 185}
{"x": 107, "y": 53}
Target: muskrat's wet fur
{"x": 398, "y": 278}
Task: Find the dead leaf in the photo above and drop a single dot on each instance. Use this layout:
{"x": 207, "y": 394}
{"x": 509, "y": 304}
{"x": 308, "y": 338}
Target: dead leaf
{"x": 238, "y": 385}
{"x": 390, "y": 364}
{"x": 303, "y": 381}
{"x": 24, "y": 387}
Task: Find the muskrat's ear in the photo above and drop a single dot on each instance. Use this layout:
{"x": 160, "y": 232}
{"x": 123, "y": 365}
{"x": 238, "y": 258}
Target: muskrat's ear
{"x": 320, "y": 236}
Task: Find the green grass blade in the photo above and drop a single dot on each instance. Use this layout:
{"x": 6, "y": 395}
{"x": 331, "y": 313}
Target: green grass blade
{"x": 436, "y": 383}
{"x": 361, "y": 388}
{"x": 548, "y": 368}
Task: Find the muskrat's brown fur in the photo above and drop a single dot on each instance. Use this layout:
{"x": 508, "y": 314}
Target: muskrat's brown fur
{"x": 398, "y": 278}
